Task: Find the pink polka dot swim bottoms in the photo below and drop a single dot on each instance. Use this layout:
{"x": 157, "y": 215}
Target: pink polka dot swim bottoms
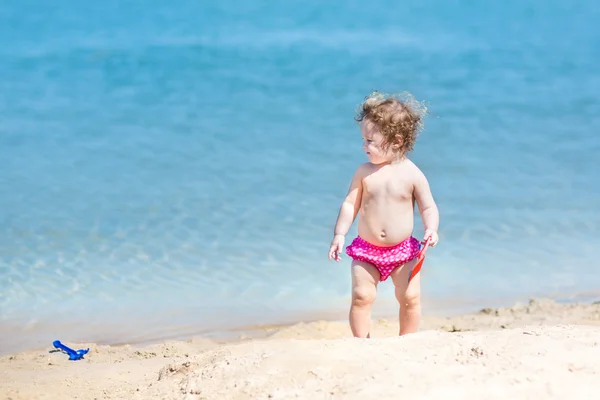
{"x": 385, "y": 259}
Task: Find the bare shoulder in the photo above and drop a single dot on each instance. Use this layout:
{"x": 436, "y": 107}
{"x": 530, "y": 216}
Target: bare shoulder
{"x": 363, "y": 170}
{"x": 414, "y": 173}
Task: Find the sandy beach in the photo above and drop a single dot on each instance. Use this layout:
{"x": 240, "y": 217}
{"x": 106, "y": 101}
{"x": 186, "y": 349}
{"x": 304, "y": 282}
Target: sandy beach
{"x": 534, "y": 350}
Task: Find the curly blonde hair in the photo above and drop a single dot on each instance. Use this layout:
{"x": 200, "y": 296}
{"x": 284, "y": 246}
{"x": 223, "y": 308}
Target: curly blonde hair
{"x": 399, "y": 120}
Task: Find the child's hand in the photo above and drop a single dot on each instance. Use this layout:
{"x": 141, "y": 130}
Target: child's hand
{"x": 434, "y": 237}
{"x": 336, "y": 248}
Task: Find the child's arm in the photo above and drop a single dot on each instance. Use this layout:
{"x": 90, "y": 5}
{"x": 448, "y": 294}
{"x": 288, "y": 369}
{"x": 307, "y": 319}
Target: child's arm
{"x": 427, "y": 207}
{"x": 347, "y": 214}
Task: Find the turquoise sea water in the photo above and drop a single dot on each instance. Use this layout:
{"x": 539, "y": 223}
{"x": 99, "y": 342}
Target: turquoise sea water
{"x": 169, "y": 169}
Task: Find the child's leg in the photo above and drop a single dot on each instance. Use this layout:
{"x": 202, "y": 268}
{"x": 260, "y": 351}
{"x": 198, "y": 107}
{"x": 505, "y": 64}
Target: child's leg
{"x": 409, "y": 297}
{"x": 364, "y": 289}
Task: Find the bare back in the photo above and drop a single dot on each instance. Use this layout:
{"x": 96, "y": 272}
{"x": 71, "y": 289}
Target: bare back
{"x": 387, "y": 202}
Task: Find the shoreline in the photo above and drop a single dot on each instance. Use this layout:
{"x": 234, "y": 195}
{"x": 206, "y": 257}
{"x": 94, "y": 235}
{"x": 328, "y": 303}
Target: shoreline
{"x": 172, "y": 368}
{"x": 115, "y": 335}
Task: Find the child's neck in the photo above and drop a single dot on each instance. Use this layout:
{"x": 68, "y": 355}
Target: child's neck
{"x": 399, "y": 159}
{"x": 392, "y": 162}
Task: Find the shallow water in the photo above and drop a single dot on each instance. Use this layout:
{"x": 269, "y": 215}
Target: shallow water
{"x": 178, "y": 168}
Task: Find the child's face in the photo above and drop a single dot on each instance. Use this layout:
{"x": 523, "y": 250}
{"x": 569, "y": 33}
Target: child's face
{"x": 372, "y": 144}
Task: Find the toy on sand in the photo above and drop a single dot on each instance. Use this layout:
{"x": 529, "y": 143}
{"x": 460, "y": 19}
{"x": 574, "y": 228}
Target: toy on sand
{"x": 73, "y": 354}
{"x": 421, "y": 258}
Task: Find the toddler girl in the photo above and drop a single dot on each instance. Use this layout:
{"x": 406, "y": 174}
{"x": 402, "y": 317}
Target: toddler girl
{"x": 384, "y": 191}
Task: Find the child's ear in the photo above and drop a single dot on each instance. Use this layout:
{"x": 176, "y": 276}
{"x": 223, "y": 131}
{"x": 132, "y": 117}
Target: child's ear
{"x": 399, "y": 142}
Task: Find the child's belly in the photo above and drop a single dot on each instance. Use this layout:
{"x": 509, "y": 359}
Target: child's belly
{"x": 386, "y": 226}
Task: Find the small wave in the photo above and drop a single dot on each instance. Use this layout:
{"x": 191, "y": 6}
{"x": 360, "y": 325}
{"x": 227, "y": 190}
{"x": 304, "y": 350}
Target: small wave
{"x": 363, "y": 40}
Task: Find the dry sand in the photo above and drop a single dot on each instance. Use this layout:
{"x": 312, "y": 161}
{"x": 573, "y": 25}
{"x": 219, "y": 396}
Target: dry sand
{"x": 540, "y": 350}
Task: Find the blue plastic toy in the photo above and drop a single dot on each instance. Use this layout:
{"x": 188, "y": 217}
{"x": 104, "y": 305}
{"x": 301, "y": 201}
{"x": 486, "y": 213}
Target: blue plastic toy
{"x": 73, "y": 354}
